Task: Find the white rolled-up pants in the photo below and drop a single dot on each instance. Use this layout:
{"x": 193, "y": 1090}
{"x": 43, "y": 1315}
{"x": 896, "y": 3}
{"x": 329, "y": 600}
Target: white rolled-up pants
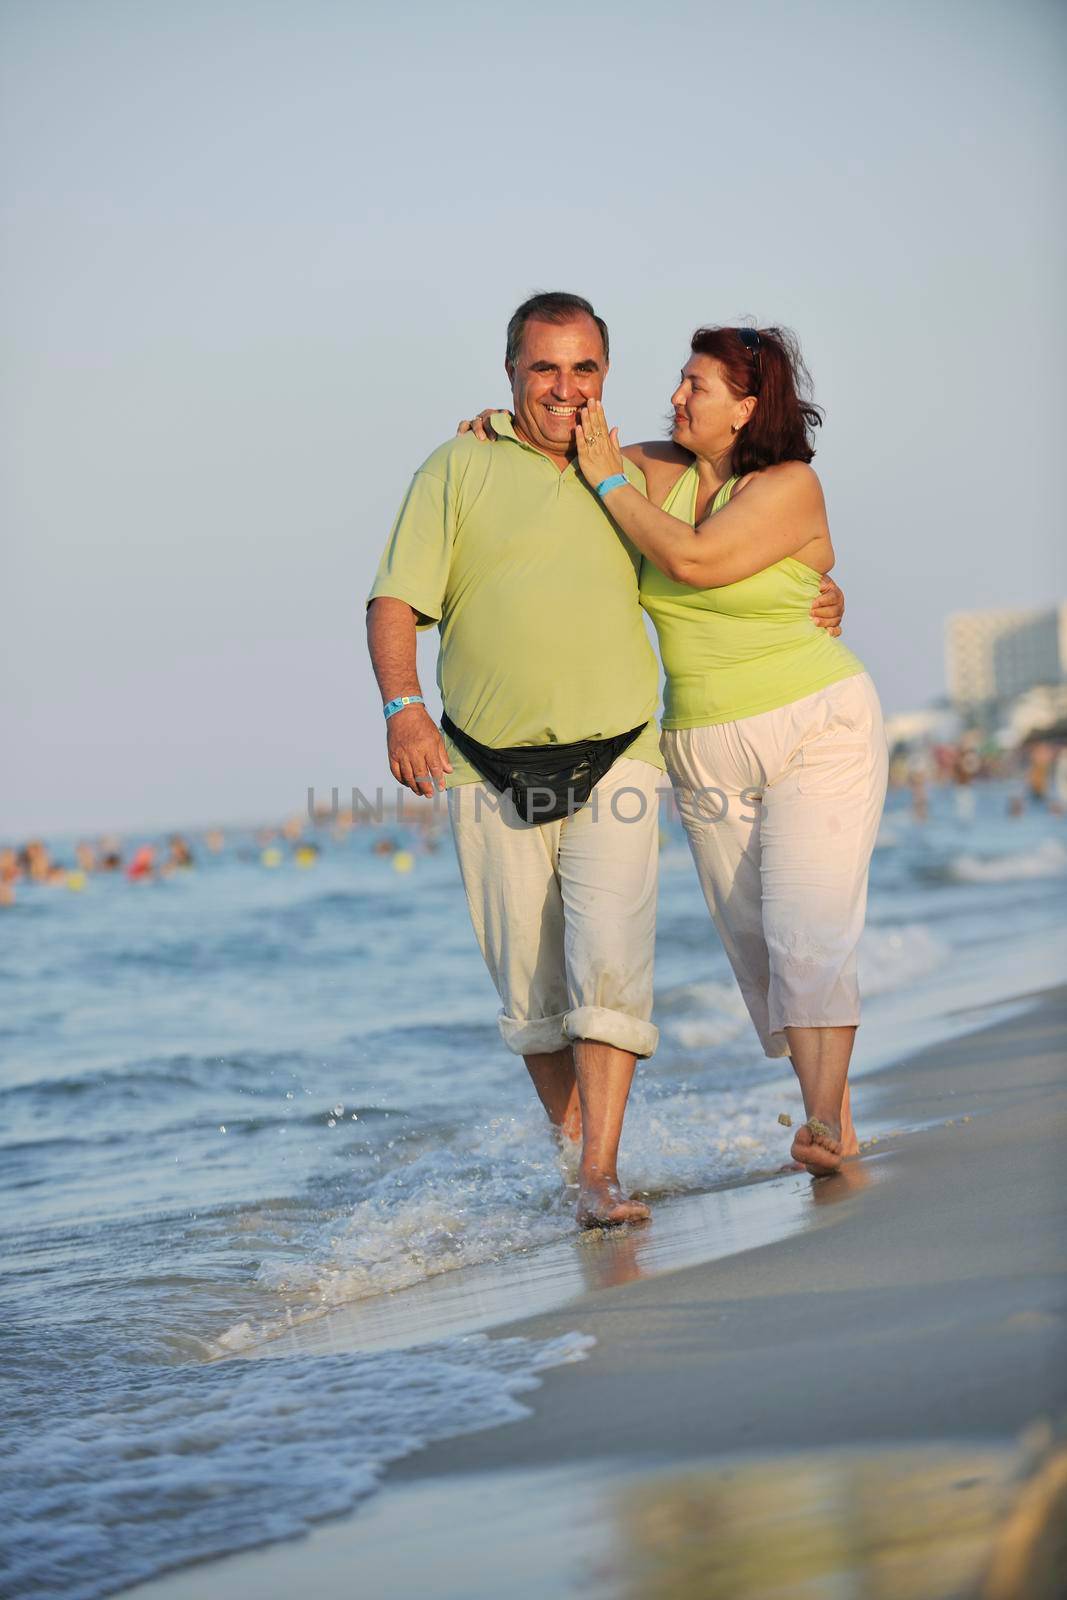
{"x": 782, "y": 811}
{"x": 565, "y": 911}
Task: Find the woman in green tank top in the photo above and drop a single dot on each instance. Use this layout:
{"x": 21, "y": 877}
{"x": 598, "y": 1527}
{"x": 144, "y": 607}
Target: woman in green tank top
{"x": 772, "y": 729}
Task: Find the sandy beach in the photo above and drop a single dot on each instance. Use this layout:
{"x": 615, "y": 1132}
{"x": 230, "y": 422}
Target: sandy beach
{"x": 869, "y": 1405}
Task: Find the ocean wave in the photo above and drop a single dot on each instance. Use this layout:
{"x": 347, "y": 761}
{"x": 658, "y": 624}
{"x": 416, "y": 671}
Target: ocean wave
{"x": 705, "y": 993}
{"x": 248, "y": 949}
{"x": 434, "y": 1034}
{"x": 178, "y": 1072}
{"x": 502, "y": 1189}
{"x": 708, "y": 1015}
{"x": 684, "y": 1140}
{"x": 260, "y": 1071}
{"x": 701, "y": 1016}
{"x": 687, "y": 930}
{"x": 341, "y": 907}
{"x": 891, "y": 957}
{"x": 150, "y": 1468}
{"x": 135, "y": 1081}
{"x": 1046, "y": 860}
{"x": 432, "y": 1207}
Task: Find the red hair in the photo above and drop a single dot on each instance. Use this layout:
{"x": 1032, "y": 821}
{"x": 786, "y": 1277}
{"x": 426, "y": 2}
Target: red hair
{"x": 785, "y": 418}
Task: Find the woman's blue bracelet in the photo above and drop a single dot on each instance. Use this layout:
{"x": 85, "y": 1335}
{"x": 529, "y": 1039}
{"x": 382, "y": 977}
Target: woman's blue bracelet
{"x": 400, "y": 702}
{"x": 618, "y": 480}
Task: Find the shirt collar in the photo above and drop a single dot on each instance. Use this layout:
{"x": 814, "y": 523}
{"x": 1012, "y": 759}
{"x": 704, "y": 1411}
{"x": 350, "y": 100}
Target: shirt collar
{"x": 504, "y": 428}
{"x": 503, "y": 425}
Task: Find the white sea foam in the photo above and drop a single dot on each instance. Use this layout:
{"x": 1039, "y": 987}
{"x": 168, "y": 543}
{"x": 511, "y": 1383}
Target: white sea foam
{"x": 497, "y": 1189}
{"x": 1046, "y": 860}
{"x": 167, "y": 1465}
{"x": 701, "y": 1016}
{"x": 687, "y": 1141}
{"x": 704, "y": 1033}
{"x": 505, "y": 1193}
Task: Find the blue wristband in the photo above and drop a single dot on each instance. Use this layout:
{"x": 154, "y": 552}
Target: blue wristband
{"x": 400, "y": 702}
{"x": 618, "y": 480}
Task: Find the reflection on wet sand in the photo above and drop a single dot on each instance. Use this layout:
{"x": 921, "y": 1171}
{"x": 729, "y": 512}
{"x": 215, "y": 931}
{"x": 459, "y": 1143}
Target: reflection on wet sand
{"x": 608, "y": 1258}
{"x": 852, "y": 1179}
{"x": 903, "y": 1524}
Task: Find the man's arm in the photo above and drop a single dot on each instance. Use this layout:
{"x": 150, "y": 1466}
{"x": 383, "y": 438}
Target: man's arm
{"x": 417, "y": 755}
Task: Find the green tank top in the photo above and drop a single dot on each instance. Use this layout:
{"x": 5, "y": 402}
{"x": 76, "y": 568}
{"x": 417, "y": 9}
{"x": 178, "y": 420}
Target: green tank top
{"x": 747, "y": 647}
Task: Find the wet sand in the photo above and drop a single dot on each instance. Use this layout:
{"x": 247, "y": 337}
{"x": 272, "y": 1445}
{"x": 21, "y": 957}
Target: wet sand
{"x": 875, "y": 1390}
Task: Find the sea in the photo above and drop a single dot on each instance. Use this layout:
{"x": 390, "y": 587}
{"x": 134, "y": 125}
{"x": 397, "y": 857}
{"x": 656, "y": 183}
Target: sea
{"x": 267, "y": 1090}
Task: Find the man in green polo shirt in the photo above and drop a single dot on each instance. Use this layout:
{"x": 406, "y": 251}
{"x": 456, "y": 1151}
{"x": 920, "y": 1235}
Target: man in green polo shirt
{"x": 543, "y": 642}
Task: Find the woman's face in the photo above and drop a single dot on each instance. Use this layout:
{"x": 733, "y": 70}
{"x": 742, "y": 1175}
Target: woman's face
{"x": 706, "y": 413}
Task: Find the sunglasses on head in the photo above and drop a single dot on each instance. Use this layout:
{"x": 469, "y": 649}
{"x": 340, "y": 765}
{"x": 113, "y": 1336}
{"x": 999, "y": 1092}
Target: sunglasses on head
{"x": 751, "y": 341}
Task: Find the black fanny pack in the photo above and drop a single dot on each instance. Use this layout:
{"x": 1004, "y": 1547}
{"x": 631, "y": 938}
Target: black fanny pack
{"x": 546, "y": 781}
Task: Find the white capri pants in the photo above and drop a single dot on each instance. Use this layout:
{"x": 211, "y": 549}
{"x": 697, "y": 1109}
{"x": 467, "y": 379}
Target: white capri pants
{"x": 565, "y": 911}
{"x": 782, "y": 811}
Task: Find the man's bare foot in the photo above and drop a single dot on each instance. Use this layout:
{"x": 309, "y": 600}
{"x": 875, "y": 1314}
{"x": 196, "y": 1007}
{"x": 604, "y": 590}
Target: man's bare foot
{"x": 818, "y": 1148}
{"x": 602, "y": 1204}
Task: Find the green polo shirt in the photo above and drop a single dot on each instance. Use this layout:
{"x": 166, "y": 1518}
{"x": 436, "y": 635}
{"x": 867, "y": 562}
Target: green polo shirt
{"x": 535, "y": 592}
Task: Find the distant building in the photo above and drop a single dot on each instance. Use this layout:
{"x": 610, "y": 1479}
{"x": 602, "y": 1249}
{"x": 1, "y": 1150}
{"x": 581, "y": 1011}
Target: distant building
{"x": 992, "y": 657}
{"x": 1037, "y": 711}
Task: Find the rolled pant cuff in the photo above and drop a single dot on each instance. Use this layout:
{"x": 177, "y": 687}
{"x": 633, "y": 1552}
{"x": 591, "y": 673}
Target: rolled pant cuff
{"x": 775, "y": 1046}
{"x": 540, "y": 1037}
{"x": 612, "y": 1027}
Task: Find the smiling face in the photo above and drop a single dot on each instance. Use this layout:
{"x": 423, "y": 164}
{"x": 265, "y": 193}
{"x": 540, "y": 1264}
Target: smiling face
{"x": 560, "y": 367}
{"x": 707, "y": 414}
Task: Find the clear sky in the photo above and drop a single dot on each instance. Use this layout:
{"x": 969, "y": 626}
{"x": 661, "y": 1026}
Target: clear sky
{"x": 258, "y": 258}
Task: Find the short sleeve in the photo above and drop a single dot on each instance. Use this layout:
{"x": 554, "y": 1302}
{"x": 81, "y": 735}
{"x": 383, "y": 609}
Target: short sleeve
{"x": 417, "y": 558}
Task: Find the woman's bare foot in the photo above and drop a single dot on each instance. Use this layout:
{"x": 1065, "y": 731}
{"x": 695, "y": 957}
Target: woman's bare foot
{"x": 818, "y": 1148}
{"x": 850, "y": 1145}
{"x": 603, "y": 1204}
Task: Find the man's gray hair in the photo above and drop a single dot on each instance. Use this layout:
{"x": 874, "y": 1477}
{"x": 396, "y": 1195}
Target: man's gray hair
{"x": 554, "y": 306}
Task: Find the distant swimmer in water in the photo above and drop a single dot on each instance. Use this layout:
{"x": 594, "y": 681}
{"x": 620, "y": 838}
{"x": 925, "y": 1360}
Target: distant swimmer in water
{"x": 10, "y": 872}
{"x": 35, "y": 862}
{"x": 142, "y": 864}
{"x": 179, "y": 854}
